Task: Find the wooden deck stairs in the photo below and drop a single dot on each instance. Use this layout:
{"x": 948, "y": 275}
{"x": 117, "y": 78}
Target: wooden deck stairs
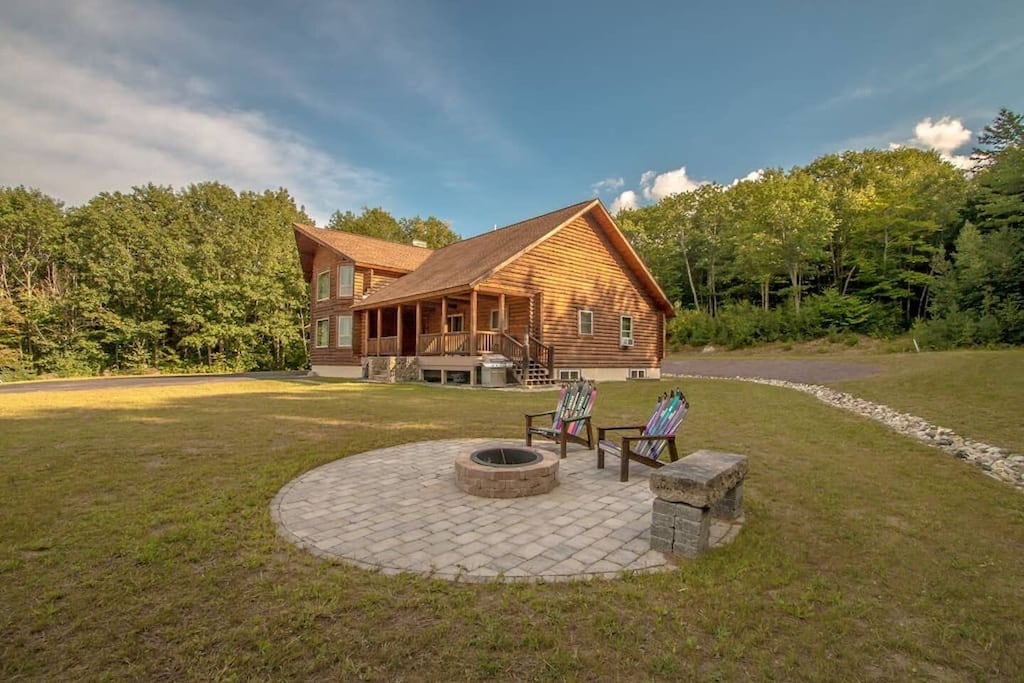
{"x": 535, "y": 375}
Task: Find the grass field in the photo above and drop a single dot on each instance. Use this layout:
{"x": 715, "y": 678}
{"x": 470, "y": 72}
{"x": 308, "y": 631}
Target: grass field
{"x": 137, "y": 543}
{"x": 977, "y": 393}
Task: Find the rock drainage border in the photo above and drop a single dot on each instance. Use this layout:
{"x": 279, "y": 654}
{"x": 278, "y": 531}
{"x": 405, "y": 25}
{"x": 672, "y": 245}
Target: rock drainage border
{"x": 998, "y": 463}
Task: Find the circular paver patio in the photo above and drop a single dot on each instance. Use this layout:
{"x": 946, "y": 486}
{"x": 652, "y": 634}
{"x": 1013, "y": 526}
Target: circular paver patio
{"x": 398, "y": 510}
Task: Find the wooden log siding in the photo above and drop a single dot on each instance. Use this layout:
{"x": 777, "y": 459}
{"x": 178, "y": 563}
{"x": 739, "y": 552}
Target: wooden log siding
{"x": 334, "y": 307}
{"x": 579, "y": 269}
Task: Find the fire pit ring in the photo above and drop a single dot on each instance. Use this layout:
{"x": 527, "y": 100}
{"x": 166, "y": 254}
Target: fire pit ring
{"x": 505, "y": 457}
{"x": 506, "y": 472}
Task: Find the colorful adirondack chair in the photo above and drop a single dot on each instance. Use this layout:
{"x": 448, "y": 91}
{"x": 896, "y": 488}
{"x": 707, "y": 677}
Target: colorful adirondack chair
{"x": 570, "y": 419}
{"x": 658, "y": 434}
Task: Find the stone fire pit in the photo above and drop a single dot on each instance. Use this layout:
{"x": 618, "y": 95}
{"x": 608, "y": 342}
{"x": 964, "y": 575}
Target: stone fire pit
{"x": 503, "y": 472}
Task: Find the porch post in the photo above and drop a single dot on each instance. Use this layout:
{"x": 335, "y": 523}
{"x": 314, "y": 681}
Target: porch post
{"x": 365, "y": 335}
{"x": 380, "y": 319}
{"x": 398, "y": 330}
{"x": 501, "y": 312}
{"x": 444, "y": 331}
{"x": 419, "y": 326}
{"x": 472, "y": 323}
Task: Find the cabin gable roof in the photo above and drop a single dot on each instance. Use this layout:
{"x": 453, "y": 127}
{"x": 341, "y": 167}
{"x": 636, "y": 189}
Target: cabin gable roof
{"x": 465, "y": 264}
{"x": 369, "y": 252}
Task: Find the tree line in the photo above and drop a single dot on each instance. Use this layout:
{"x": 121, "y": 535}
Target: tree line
{"x": 200, "y": 279}
{"x": 876, "y": 241}
{"x": 207, "y": 279}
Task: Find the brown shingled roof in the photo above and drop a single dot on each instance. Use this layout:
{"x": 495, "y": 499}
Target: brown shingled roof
{"x": 365, "y": 251}
{"x": 463, "y": 264}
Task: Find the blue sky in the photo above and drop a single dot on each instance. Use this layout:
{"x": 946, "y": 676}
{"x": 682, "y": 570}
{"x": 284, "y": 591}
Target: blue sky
{"x": 485, "y": 113}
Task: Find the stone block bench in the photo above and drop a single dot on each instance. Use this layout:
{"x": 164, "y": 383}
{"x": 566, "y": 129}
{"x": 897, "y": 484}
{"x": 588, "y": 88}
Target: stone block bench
{"x": 690, "y": 492}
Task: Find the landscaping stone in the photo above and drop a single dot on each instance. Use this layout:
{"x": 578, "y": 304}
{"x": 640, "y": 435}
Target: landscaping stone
{"x": 995, "y": 462}
{"x": 690, "y": 492}
{"x": 700, "y": 479}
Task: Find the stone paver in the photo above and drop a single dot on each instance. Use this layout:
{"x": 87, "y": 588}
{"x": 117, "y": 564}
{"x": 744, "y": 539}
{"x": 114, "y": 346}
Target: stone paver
{"x": 398, "y": 510}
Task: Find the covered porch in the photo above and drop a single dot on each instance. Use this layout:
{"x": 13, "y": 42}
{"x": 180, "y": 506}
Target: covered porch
{"x": 455, "y": 331}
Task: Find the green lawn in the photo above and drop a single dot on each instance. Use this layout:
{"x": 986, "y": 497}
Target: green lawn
{"x": 137, "y": 543}
{"x": 979, "y": 394}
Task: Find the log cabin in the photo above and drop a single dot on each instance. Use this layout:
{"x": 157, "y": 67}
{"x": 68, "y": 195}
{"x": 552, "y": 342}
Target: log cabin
{"x": 557, "y": 297}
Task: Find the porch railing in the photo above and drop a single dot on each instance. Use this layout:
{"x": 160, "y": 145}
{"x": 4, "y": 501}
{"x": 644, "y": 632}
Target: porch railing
{"x": 456, "y": 343}
{"x": 382, "y": 346}
{"x": 429, "y": 345}
{"x": 488, "y": 342}
{"x": 437, "y": 344}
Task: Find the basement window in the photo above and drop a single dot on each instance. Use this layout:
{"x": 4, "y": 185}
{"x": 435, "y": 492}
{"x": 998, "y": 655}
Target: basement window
{"x": 638, "y": 373}
{"x": 569, "y": 375}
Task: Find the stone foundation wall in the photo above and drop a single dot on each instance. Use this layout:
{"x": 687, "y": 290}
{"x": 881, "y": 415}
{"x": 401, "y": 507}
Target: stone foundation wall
{"x": 392, "y": 369}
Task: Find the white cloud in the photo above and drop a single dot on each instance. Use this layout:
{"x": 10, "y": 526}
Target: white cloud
{"x": 944, "y": 136}
{"x": 74, "y": 127}
{"x": 607, "y": 185}
{"x": 961, "y": 161}
{"x": 753, "y": 175}
{"x": 626, "y": 200}
{"x": 658, "y": 186}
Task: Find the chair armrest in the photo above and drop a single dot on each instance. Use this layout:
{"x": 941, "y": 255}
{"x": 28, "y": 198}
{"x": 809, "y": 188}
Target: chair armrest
{"x": 549, "y": 412}
{"x": 575, "y": 419}
{"x": 601, "y": 430}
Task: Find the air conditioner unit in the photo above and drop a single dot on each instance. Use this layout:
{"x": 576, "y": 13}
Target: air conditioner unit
{"x": 626, "y": 341}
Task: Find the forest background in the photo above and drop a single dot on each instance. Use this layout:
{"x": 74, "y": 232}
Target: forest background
{"x": 207, "y": 279}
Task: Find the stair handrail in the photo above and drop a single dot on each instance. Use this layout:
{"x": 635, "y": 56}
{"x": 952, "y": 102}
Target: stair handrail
{"x": 545, "y": 355}
{"x": 511, "y": 347}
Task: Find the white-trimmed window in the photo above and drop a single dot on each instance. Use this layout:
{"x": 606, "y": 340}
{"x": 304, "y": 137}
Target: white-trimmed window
{"x": 638, "y": 373}
{"x": 323, "y": 333}
{"x": 626, "y": 329}
{"x": 346, "y": 278}
{"x": 567, "y": 375}
{"x": 586, "y": 323}
{"x": 495, "y": 320}
{"x": 323, "y": 286}
{"x": 455, "y": 322}
{"x": 344, "y": 332}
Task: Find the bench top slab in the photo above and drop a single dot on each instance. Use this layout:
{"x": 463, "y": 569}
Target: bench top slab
{"x": 701, "y": 479}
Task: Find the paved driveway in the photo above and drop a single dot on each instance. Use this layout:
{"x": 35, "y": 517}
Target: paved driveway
{"x": 139, "y": 382}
